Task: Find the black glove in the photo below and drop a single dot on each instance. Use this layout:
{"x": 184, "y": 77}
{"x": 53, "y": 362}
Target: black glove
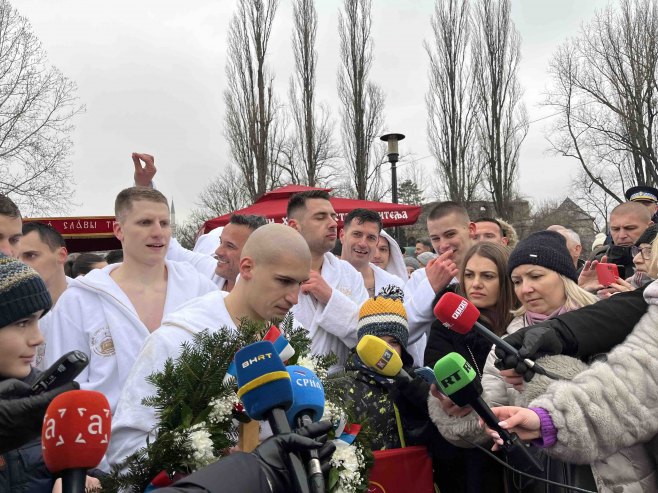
{"x": 272, "y": 453}
{"x": 21, "y": 414}
{"x": 411, "y": 397}
{"x": 532, "y": 342}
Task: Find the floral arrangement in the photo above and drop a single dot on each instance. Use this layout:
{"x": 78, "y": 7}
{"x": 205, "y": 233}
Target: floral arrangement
{"x": 197, "y": 409}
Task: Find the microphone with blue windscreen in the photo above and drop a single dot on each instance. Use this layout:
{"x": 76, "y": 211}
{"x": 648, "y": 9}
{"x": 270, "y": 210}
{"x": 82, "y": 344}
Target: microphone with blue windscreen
{"x": 307, "y": 407}
{"x": 266, "y": 393}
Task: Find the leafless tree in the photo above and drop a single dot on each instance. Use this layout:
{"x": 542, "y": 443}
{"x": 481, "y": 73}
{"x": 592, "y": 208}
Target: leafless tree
{"x": 503, "y": 120}
{"x": 37, "y": 106}
{"x": 310, "y": 149}
{"x": 226, "y": 193}
{"x": 604, "y": 87}
{"x": 593, "y": 199}
{"x": 251, "y": 107}
{"x": 450, "y": 102}
{"x": 362, "y": 101}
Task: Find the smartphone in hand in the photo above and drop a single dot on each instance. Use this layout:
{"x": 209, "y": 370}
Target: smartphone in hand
{"x": 607, "y": 273}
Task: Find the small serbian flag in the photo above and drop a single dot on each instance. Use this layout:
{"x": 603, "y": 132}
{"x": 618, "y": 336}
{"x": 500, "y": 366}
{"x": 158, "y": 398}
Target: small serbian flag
{"x": 281, "y": 344}
{"x": 349, "y": 433}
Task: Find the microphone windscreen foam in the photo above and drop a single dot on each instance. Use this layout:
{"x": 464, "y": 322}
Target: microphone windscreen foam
{"x": 379, "y": 356}
{"x": 307, "y": 395}
{"x": 456, "y": 313}
{"x": 76, "y": 430}
{"x": 453, "y": 373}
{"x": 263, "y": 382}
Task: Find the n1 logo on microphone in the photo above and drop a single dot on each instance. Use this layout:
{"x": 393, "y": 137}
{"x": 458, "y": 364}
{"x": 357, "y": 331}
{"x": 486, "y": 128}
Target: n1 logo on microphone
{"x": 384, "y": 360}
{"x": 256, "y": 359}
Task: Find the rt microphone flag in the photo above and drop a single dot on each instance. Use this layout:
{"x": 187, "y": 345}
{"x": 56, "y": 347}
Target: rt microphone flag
{"x": 75, "y": 436}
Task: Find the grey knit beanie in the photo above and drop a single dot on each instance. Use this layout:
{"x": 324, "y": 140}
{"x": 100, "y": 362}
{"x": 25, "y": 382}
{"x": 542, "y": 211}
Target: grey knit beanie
{"x": 547, "y": 249}
{"x": 22, "y": 291}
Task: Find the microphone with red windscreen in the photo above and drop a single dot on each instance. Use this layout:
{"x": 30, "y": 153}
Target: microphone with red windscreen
{"x": 461, "y": 316}
{"x": 75, "y": 436}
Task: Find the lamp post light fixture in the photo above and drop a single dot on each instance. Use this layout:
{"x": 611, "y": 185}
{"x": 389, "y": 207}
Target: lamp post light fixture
{"x": 393, "y": 155}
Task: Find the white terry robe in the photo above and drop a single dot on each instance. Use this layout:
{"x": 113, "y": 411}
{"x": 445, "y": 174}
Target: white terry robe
{"x": 396, "y": 265}
{"x": 45, "y": 323}
{"x": 384, "y": 278}
{"x": 96, "y": 317}
{"x": 332, "y": 327}
{"x": 418, "y": 302}
{"x": 134, "y": 422}
{"x": 204, "y": 264}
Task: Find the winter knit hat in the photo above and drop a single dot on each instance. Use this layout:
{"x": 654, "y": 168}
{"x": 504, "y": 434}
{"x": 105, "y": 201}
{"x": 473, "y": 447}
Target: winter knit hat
{"x": 411, "y": 262}
{"x": 384, "y": 315}
{"x": 547, "y": 249}
{"x": 648, "y": 236}
{"x": 425, "y": 257}
{"x": 22, "y": 291}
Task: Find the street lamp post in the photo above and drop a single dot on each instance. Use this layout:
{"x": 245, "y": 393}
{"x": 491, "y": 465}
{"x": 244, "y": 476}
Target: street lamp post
{"x": 393, "y": 155}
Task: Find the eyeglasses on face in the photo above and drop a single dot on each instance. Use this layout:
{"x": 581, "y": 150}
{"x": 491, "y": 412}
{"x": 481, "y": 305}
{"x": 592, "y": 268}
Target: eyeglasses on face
{"x": 645, "y": 251}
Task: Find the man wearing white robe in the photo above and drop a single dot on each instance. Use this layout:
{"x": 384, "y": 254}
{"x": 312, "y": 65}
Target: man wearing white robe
{"x": 108, "y": 313}
{"x": 275, "y": 261}
{"x": 330, "y": 300}
{"x": 452, "y": 234}
{"x": 359, "y": 237}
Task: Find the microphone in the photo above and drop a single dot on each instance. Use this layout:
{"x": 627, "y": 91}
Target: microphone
{"x": 461, "y": 316}
{"x": 307, "y": 407}
{"x": 75, "y": 436}
{"x": 266, "y": 393}
{"x": 381, "y": 358}
{"x": 458, "y": 380}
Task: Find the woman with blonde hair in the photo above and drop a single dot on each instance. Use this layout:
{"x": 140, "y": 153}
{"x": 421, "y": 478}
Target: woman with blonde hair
{"x": 545, "y": 282}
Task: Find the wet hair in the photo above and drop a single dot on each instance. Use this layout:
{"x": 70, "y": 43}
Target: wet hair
{"x": 251, "y": 221}
{"x": 298, "y": 201}
{"x": 492, "y": 220}
{"x": 507, "y": 301}
{"x": 47, "y": 234}
{"x": 443, "y": 209}
{"x": 126, "y": 198}
{"x": 363, "y": 216}
{"x": 8, "y": 208}
{"x": 84, "y": 264}
{"x": 114, "y": 256}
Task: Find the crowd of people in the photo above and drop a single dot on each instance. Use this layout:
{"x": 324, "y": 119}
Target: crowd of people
{"x": 593, "y": 428}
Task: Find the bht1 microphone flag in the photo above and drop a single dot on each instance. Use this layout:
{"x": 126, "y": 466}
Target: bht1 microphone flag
{"x": 281, "y": 344}
{"x": 263, "y": 381}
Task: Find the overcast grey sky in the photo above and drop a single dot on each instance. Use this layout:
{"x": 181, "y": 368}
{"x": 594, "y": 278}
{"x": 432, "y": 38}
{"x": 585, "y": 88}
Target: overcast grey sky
{"x": 151, "y": 73}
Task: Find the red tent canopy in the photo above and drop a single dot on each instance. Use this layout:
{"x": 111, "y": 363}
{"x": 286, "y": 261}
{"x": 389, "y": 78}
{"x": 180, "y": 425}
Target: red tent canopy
{"x": 273, "y": 205}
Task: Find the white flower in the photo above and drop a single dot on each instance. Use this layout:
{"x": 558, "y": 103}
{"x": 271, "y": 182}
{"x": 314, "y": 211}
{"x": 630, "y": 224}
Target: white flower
{"x": 348, "y": 460}
{"x": 332, "y": 412}
{"x": 222, "y": 409}
{"x": 307, "y": 362}
{"x": 202, "y": 446}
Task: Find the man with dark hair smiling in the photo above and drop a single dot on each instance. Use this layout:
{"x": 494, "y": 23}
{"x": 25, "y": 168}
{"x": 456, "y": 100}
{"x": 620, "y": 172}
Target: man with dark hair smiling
{"x": 359, "y": 237}
{"x": 330, "y": 301}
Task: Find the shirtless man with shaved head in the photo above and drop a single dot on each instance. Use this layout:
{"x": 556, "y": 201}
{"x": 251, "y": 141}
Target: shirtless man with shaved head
{"x": 275, "y": 261}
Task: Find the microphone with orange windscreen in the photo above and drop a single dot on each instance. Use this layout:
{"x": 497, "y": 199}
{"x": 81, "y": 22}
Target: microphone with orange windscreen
{"x": 75, "y": 436}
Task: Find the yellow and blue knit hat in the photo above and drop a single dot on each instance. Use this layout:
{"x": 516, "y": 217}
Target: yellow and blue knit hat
{"x": 22, "y": 291}
{"x": 384, "y": 315}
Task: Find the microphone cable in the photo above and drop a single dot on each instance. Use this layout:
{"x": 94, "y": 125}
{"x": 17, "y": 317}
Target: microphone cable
{"x": 527, "y": 475}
